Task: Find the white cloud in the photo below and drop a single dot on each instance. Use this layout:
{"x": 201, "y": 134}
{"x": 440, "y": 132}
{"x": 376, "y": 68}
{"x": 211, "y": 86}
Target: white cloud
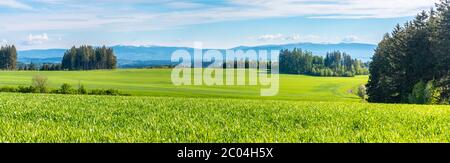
{"x": 123, "y": 17}
{"x": 36, "y": 39}
{"x": 286, "y": 38}
{"x": 338, "y": 8}
{"x": 280, "y": 38}
{"x": 73, "y": 17}
{"x": 270, "y": 37}
{"x": 184, "y": 5}
{"x": 295, "y": 37}
{"x": 350, "y": 38}
{"x": 14, "y": 4}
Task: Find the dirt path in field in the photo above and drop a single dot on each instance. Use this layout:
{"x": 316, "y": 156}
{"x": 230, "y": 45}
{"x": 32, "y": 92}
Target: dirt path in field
{"x": 350, "y": 91}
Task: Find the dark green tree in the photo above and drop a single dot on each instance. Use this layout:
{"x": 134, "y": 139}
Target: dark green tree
{"x": 414, "y": 53}
{"x": 8, "y": 57}
{"x": 335, "y": 63}
{"x": 89, "y": 58}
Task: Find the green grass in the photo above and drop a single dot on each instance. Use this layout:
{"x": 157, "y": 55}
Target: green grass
{"x": 308, "y": 109}
{"x": 157, "y": 82}
{"x": 70, "y": 118}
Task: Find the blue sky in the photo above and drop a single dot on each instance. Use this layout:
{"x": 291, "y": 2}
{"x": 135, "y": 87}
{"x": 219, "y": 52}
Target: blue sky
{"x": 42, "y": 24}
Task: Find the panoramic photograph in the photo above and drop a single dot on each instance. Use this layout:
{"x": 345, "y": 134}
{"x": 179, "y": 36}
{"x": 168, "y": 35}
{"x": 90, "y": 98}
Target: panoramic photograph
{"x": 224, "y": 71}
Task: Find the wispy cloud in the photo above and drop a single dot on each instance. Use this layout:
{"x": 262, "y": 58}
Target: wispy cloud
{"x": 36, "y": 39}
{"x": 120, "y": 15}
{"x": 339, "y": 8}
{"x": 270, "y": 37}
{"x": 280, "y": 38}
{"x": 98, "y": 21}
{"x": 185, "y": 5}
{"x": 277, "y": 37}
{"x": 14, "y": 4}
{"x": 350, "y": 38}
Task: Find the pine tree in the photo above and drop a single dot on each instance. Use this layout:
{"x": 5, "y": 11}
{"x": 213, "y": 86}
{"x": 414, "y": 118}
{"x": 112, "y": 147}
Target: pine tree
{"x": 89, "y": 58}
{"x": 411, "y": 55}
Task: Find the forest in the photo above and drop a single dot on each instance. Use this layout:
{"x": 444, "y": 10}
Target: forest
{"x": 82, "y": 58}
{"x": 89, "y": 58}
{"x": 335, "y": 63}
{"x": 412, "y": 63}
{"x": 8, "y": 57}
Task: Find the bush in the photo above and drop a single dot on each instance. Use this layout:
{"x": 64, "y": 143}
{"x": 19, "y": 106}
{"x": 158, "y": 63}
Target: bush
{"x": 40, "y": 83}
{"x": 424, "y": 93}
{"x": 348, "y": 74}
{"x": 362, "y": 91}
{"x": 8, "y": 89}
{"x": 111, "y": 92}
{"x": 66, "y": 89}
{"x": 29, "y": 89}
{"x": 82, "y": 90}
{"x": 417, "y": 95}
{"x": 432, "y": 94}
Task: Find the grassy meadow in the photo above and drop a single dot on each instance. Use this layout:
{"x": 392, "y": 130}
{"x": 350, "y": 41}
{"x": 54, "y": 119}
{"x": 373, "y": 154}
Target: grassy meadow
{"x": 74, "y": 118}
{"x": 308, "y": 109}
{"x": 157, "y": 82}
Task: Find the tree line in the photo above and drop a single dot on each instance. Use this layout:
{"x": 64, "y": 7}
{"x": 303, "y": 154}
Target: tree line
{"x": 8, "y": 57}
{"x": 81, "y": 58}
{"x": 89, "y": 58}
{"x": 39, "y": 66}
{"x": 39, "y": 84}
{"x": 412, "y": 63}
{"x": 334, "y": 63}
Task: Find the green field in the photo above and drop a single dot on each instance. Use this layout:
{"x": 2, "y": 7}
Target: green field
{"x": 157, "y": 82}
{"x": 308, "y": 109}
{"x": 55, "y": 118}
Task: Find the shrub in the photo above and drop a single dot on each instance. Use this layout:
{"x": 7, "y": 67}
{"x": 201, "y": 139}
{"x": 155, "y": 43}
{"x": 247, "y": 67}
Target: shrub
{"x": 82, "y": 90}
{"x": 66, "y": 89}
{"x": 424, "y": 93}
{"x": 362, "y": 91}
{"x": 8, "y": 89}
{"x": 95, "y": 92}
{"x": 348, "y": 74}
{"x": 40, "y": 83}
{"x": 417, "y": 94}
{"x": 28, "y": 89}
{"x": 112, "y": 92}
{"x": 432, "y": 94}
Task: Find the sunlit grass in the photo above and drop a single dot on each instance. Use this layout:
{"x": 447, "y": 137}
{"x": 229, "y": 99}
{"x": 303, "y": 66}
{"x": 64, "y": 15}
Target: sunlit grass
{"x": 307, "y": 109}
{"x": 71, "y": 118}
{"x": 157, "y": 82}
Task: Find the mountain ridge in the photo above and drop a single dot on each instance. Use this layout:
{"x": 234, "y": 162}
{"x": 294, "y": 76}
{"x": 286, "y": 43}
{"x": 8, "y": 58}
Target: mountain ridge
{"x": 127, "y": 54}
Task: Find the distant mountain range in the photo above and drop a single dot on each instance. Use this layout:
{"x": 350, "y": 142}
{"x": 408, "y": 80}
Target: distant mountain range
{"x": 160, "y": 55}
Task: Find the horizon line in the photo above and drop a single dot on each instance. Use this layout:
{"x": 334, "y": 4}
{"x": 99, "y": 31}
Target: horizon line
{"x": 179, "y": 46}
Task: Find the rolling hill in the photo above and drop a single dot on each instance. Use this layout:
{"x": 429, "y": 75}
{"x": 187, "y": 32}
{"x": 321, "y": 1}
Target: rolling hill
{"x": 160, "y": 55}
{"x": 308, "y": 109}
